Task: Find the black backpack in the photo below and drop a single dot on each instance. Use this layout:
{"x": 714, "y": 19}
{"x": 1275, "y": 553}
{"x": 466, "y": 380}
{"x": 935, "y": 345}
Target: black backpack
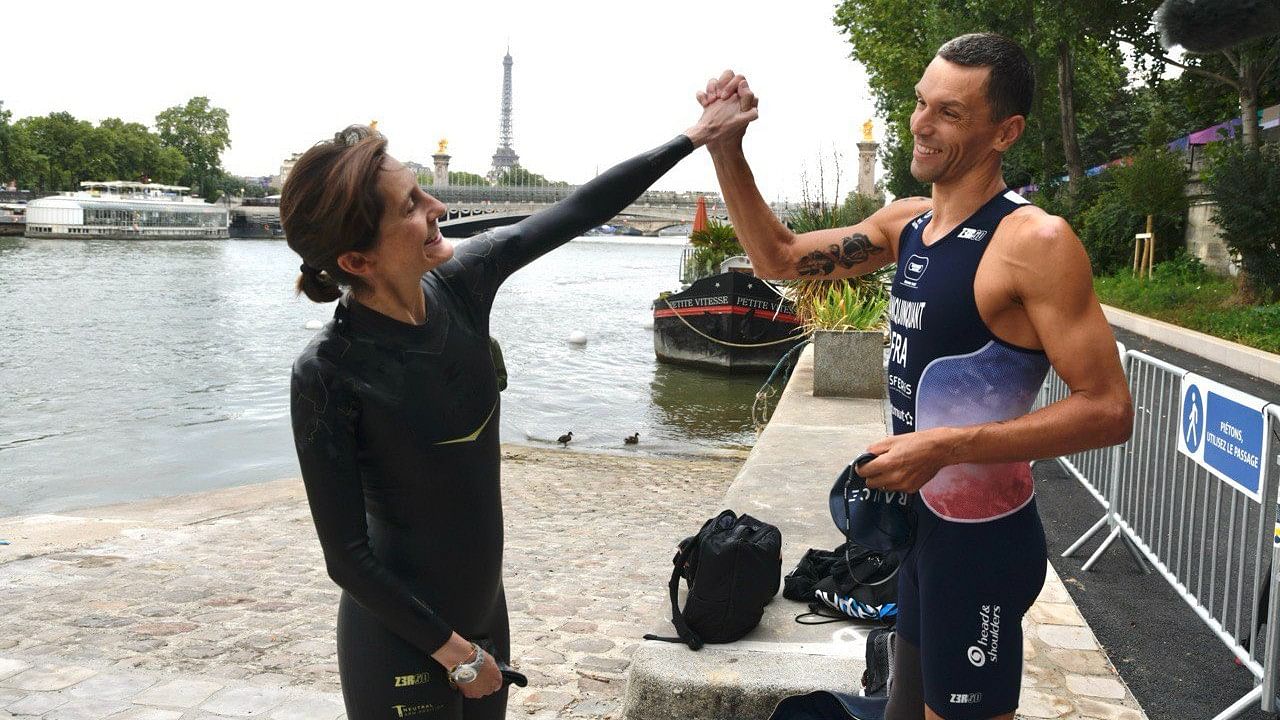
{"x": 733, "y": 567}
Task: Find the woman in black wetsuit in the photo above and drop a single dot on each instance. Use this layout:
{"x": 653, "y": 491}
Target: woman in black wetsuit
{"x": 396, "y": 412}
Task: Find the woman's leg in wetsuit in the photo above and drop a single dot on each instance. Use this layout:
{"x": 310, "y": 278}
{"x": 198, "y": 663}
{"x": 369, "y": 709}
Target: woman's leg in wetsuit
{"x": 385, "y": 677}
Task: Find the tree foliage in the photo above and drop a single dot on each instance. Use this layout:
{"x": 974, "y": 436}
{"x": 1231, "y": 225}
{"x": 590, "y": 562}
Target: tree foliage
{"x": 896, "y": 39}
{"x": 712, "y": 245}
{"x": 59, "y": 151}
{"x": 460, "y": 177}
{"x": 1245, "y": 182}
{"x": 1155, "y": 182}
{"x": 200, "y": 132}
{"x": 520, "y": 176}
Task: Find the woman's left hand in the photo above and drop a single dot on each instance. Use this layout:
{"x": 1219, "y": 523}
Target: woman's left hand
{"x": 728, "y": 106}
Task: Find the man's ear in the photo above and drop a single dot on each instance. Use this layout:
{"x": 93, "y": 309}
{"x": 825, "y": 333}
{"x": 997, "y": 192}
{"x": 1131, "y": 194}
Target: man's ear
{"x": 1011, "y": 128}
{"x": 356, "y": 264}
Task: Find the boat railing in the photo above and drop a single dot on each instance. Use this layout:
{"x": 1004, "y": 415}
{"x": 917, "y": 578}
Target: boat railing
{"x": 694, "y": 268}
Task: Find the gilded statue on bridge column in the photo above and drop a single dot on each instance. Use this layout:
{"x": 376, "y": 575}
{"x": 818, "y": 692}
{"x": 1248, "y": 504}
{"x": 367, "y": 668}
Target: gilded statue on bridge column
{"x": 866, "y": 131}
{"x": 442, "y": 147}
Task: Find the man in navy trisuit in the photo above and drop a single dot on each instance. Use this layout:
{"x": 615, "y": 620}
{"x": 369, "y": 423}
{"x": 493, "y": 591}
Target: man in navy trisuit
{"x": 989, "y": 293}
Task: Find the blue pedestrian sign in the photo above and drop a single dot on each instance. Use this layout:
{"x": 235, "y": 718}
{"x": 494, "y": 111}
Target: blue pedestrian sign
{"x": 1224, "y": 431}
{"x": 1192, "y": 418}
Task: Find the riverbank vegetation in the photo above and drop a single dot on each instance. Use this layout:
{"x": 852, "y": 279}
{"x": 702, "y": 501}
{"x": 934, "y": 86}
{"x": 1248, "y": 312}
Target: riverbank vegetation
{"x": 1106, "y": 142}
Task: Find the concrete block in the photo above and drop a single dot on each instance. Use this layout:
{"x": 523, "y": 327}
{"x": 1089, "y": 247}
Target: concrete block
{"x": 669, "y": 682}
{"x": 37, "y": 704}
{"x": 848, "y": 364}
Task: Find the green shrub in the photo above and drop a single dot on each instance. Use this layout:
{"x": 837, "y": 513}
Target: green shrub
{"x": 858, "y": 207}
{"x": 1245, "y": 183}
{"x": 1181, "y": 291}
{"x": 711, "y": 246}
{"x": 1108, "y": 225}
{"x": 1154, "y": 184}
{"x": 1055, "y": 200}
{"x": 846, "y": 303}
{"x": 1113, "y": 207}
{"x": 857, "y": 304}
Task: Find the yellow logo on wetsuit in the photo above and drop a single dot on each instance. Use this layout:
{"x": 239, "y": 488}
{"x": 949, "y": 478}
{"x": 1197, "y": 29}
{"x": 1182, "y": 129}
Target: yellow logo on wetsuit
{"x": 412, "y": 710}
{"x": 407, "y": 680}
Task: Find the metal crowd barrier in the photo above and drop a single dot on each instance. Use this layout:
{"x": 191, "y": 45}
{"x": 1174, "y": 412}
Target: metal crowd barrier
{"x": 1214, "y": 543}
{"x": 1095, "y": 469}
{"x": 1271, "y": 675}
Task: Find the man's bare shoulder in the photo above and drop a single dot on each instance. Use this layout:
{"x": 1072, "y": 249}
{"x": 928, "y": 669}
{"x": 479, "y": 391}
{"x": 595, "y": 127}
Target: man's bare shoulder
{"x": 1043, "y": 255}
{"x": 1031, "y": 230}
{"x": 894, "y": 216}
{"x": 908, "y": 206}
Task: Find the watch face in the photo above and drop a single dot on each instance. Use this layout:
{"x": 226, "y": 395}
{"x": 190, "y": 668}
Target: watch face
{"x": 464, "y": 675}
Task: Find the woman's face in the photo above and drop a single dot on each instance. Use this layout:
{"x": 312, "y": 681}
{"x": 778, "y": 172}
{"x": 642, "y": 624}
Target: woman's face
{"x": 409, "y": 239}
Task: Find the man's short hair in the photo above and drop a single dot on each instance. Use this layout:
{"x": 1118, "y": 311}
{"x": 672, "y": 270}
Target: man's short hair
{"x": 1012, "y": 82}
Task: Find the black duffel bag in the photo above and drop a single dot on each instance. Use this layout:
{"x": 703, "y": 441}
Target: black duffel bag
{"x": 733, "y": 567}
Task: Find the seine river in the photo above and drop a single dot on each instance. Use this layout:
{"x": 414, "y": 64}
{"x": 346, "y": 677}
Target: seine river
{"x": 138, "y": 369}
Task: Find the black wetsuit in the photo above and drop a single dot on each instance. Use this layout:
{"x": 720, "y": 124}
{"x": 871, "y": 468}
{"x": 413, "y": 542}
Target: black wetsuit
{"x": 396, "y": 428}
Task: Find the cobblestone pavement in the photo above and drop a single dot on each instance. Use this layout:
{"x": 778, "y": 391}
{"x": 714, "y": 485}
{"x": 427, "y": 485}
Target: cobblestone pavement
{"x": 218, "y": 605}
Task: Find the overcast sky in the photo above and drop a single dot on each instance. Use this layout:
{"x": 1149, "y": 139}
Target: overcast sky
{"x": 595, "y": 82}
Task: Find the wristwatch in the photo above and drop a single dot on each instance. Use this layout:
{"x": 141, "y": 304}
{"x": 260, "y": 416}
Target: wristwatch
{"x": 466, "y": 672}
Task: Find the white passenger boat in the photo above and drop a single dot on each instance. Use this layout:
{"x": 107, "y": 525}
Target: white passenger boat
{"x": 118, "y": 210}
{"x": 13, "y": 218}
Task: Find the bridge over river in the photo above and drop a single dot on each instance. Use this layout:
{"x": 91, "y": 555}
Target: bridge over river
{"x": 476, "y": 208}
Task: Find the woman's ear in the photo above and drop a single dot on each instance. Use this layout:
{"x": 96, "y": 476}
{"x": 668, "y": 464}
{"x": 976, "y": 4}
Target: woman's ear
{"x": 356, "y": 264}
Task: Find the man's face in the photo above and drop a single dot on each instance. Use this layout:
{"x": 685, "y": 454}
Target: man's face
{"x": 951, "y": 126}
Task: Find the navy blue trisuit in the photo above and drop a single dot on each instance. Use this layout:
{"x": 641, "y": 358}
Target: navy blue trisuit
{"x": 978, "y": 555}
{"x": 396, "y": 429}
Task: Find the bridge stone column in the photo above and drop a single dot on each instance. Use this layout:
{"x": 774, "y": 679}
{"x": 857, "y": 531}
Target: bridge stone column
{"x": 441, "y": 178}
{"x": 867, "y": 168}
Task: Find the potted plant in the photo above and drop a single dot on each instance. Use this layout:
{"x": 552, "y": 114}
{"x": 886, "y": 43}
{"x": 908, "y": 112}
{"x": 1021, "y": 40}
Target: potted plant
{"x": 847, "y": 317}
{"x": 712, "y": 245}
{"x": 848, "y": 320}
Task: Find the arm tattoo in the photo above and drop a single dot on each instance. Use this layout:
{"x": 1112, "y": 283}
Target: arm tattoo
{"x": 852, "y": 250}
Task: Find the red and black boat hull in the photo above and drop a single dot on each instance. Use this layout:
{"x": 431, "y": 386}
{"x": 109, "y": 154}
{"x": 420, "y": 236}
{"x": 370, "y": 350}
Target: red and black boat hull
{"x": 730, "y": 322}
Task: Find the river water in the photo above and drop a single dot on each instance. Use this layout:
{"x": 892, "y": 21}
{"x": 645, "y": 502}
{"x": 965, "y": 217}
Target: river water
{"x": 139, "y": 369}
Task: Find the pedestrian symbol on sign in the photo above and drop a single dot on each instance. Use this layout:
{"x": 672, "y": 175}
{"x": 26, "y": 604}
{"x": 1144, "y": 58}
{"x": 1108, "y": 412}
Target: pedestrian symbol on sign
{"x": 1192, "y": 419}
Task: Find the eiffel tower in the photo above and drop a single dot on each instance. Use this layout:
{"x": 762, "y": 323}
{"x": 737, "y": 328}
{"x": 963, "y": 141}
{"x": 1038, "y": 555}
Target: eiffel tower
{"x": 505, "y": 157}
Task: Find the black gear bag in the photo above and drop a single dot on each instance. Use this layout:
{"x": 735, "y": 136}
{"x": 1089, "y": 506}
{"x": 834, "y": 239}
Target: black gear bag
{"x": 733, "y": 567}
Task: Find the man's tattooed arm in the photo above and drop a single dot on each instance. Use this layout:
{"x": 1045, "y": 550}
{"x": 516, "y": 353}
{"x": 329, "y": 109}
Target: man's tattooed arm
{"x": 852, "y": 250}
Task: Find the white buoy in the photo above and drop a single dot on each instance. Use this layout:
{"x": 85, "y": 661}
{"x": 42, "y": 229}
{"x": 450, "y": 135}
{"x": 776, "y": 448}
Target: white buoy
{"x": 314, "y": 325}
{"x": 647, "y": 323}
{"x": 577, "y": 337}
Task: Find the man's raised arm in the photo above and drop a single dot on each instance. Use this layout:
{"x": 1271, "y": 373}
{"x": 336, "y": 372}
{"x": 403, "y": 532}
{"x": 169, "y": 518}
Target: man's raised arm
{"x": 775, "y": 251}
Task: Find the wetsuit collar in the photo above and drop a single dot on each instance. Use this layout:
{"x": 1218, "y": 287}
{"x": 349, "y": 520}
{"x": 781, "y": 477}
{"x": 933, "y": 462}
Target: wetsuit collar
{"x": 367, "y": 323}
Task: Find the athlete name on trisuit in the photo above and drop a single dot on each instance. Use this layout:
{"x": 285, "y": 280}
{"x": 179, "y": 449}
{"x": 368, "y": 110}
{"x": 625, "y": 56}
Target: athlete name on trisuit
{"x": 718, "y": 300}
{"x": 905, "y": 314}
